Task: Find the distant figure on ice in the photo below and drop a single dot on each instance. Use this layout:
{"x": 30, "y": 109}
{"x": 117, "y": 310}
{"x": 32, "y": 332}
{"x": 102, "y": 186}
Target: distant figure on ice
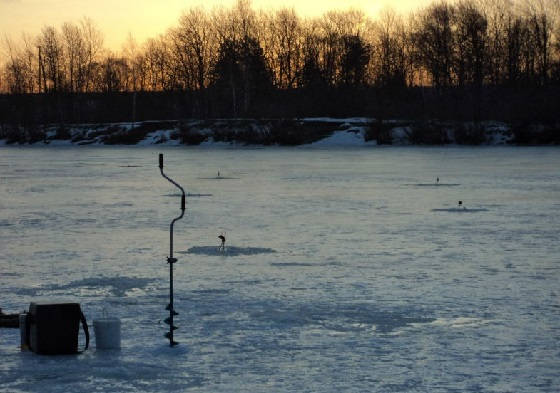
{"x": 218, "y": 173}
{"x": 222, "y": 247}
{"x": 437, "y": 180}
{"x": 460, "y": 205}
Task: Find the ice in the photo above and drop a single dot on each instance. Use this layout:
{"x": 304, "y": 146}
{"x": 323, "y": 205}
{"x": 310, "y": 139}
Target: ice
{"x": 461, "y": 322}
{"x": 435, "y": 184}
{"x": 337, "y": 274}
{"x": 460, "y": 210}
{"x": 218, "y": 178}
{"x": 117, "y": 286}
{"x": 228, "y": 250}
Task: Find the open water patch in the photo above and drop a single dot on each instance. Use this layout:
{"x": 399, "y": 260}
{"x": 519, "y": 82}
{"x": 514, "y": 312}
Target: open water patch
{"x": 230, "y": 251}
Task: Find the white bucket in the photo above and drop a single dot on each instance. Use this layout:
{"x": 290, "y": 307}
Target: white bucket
{"x": 107, "y": 333}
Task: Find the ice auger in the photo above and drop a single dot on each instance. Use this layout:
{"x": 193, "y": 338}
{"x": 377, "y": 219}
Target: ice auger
{"x": 171, "y": 261}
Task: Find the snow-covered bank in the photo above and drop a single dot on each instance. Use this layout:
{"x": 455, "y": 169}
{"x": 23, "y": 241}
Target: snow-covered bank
{"x": 319, "y": 132}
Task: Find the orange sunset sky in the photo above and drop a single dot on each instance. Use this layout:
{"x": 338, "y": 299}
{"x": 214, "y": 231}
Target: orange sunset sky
{"x": 148, "y": 18}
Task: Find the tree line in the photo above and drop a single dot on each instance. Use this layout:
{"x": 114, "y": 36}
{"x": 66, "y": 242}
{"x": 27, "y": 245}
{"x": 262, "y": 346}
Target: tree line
{"x": 230, "y": 61}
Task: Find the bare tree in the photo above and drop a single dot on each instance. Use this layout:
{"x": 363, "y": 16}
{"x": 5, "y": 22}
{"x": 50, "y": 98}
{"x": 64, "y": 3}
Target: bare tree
{"x": 93, "y": 42}
{"x": 333, "y": 27}
{"x": 158, "y": 65}
{"x": 391, "y": 57}
{"x": 433, "y": 39}
{"x": 540, "y": 24}
{"x": 282, "y": 46}
{"x": 75, "y": 57}
{"x": 555, "y": 67}
{"x": 14, "y": 71}
{"x": 311, "y": 74}
{"x": 193, "y": 48}
{"x": 471, "y": 44}
{"x": 235, "y": 23}
{"x": 515, "y": 30}
{"x": 52, "y": 49}
{"x": 130, "y": 53}
{"x": 109, "y": 75}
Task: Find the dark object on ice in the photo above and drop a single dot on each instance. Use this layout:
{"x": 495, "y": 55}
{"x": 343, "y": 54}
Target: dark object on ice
{"x": 222, "y": 237}
{"x": 9, "y": 320}
{"x": 460, "y": 204}
{"x": 52, "y": 329}
{"x": 171, "y": 260}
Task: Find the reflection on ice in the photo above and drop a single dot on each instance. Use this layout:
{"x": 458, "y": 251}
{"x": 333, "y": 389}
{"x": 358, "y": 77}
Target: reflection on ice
{"x": 117, "y": 286}
{"x": 344, "y": 317}
{"x": 460, "y": 322}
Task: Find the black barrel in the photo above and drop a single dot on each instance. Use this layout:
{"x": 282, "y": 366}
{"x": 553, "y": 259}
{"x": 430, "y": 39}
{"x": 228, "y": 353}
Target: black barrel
{"x": 53, "y": 328}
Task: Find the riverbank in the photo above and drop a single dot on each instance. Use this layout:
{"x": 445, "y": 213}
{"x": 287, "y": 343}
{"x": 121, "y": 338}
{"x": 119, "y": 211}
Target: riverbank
{"x": 285, "y": 132}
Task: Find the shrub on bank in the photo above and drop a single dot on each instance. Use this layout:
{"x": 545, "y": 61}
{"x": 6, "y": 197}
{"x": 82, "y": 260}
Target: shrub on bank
{"x": 379, "y": 131}
{"x": 428, "y": 133}
{"x": 470, "y": 134}
{"x": 189, "y": 135}
{"x": 544, "y": 134}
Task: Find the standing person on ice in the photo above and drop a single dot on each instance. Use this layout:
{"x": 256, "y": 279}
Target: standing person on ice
{"x": 222, "y": 247}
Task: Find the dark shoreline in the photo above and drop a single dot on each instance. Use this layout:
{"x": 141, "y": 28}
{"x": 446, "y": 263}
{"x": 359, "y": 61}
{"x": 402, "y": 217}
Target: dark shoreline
{"x": 287, "y": 132}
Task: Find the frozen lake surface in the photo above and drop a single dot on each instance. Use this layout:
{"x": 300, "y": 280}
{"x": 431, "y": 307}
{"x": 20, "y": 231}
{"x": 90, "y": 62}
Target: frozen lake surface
{"x": 347, "y": 271}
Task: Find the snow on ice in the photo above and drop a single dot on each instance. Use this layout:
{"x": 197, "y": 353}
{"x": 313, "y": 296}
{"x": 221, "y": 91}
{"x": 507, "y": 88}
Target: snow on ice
{"x": 339, "y": 275}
